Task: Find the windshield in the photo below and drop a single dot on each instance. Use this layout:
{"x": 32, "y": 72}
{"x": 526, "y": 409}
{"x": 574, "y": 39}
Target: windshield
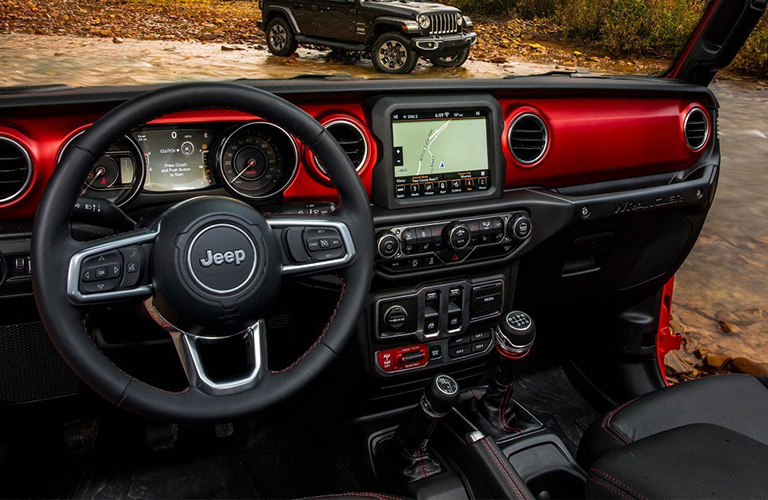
{"x": 117, "y": 42}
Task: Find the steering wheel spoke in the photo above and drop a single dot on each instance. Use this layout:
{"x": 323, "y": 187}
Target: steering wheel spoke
{"x": 204, "y": 356}
{"x": 313, "y": 245}
{"x": 111, "y": 269}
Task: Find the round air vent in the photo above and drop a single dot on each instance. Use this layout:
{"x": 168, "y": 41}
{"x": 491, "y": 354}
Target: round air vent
{"x": 528, "y": 138}
{"x": 15, "y": 169}
{"x": 352, "y": 140}
{"x": 696, "y": 129}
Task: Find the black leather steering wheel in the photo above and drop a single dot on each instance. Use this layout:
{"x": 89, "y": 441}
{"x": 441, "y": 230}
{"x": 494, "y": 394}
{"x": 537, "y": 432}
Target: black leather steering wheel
{"x": 199, "y": 301}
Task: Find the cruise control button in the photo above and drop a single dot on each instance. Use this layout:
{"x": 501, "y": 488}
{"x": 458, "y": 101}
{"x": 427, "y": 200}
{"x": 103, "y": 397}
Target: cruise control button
{"x": 323, "y": 255}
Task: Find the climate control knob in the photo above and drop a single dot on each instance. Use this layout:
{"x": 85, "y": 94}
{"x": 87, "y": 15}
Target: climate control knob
{"x": 457, "y": 235}
{"x": 520, "y": 227}
{"x": 387, "y": 245}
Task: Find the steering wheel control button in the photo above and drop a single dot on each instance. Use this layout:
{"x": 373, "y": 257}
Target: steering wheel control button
{"x": 132, "y": 260}
{"x": 101, "y": 273}
{"x": 222, "y": 258}
{"x": 520, "y": 228}
{"x": 324, "y": 244}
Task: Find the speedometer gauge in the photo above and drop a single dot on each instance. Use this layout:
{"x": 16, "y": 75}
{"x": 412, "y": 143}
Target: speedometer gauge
{"x": 258, "y": 160}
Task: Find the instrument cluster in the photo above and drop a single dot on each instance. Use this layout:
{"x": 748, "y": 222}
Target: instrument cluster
{"x": 255, "y": 160}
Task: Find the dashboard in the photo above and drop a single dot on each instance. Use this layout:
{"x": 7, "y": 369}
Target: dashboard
{"x": 483, "y": 194}
{"x": 409, "y": 150}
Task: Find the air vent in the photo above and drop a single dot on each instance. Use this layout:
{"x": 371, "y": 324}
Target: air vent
{"x": 528, "y": 138}
{"x": 352, "y": 141}
{"x": 15, "y": 170}
{"x": 696, "y": 129}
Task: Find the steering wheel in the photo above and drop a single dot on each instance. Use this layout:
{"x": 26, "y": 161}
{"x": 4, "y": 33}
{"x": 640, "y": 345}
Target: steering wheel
{"x": 206, "y": 270}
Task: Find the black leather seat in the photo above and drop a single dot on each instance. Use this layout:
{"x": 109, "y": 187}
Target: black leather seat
{"x": 705, "y": 438}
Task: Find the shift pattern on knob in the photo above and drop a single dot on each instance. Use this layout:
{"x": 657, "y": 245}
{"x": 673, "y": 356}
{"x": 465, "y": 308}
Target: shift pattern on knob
{"x": 515, "y": 333}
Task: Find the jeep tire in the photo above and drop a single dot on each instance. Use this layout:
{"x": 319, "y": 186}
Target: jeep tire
{"x": 392, "y": 53}
{"x": 280, "y": 38}
{"x": 451, "y": 60}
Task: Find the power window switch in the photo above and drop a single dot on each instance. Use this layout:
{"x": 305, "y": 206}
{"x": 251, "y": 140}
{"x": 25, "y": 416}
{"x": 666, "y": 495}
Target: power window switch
{"x": 431, "y": 321}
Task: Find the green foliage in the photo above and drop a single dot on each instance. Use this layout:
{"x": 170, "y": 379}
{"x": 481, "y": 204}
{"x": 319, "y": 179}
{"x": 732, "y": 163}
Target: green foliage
{"x": 527, "y": 9}
{"x": 635, "y": 27}
{"x": 753, "y": 57}
{"x": 658, "y": 28}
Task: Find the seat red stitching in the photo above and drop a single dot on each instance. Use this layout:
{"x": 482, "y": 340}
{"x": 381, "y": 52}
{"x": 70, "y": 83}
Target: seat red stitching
{"x": 422, "y": 468}
{"x": 510, "y": 471}
{"x": 616, "y": 491}
{"x": 609, "y": 417}
{"x": 356, "y": 494}
{"x": 618, "y": 483}
{"x": 508, "y": 477}
{"x": 503, "y": 424}
{"x": 325, "y": 330}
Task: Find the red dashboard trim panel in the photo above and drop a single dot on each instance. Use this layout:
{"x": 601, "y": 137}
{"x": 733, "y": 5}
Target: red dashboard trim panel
{"x": 591, "y": 140}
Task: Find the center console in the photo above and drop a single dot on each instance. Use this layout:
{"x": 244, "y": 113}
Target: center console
{"x": 442, "y": 151}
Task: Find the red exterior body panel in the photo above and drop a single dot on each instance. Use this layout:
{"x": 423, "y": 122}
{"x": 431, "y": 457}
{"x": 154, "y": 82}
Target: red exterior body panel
{"x": 591, "y": 140}
{"x": 666, "y": 339}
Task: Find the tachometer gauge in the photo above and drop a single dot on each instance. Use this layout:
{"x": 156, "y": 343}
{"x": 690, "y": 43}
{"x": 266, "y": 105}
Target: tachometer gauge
{"x": 117, "y": 176}
{"x": 258, "y": 160}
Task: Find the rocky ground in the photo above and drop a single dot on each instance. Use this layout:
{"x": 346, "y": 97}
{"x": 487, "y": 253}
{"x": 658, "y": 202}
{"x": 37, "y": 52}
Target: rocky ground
{"x": 232, "y": 23}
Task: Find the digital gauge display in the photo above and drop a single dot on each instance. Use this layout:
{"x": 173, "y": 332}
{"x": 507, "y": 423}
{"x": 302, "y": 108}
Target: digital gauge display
{"x": 176, "y": 159}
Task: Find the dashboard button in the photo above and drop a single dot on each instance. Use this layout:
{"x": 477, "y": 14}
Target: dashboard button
{"x": 478, "y": 336}
{"x": 460, "y": 352}
{"x": 460, "y": 340}
{"x": 395, "y": 317}
{"x": 435, "y": 352}
{"x": 480, "y": 346}
{"x": 388, "y": 245}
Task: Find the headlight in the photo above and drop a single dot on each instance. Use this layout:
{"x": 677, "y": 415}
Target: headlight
{"x": 468, "y": 22}
{"x": 459, "y": 18}
{"x": 423, "y": 21}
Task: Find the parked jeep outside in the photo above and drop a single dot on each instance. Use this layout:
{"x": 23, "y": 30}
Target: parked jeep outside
{"x": 395, "y": 32}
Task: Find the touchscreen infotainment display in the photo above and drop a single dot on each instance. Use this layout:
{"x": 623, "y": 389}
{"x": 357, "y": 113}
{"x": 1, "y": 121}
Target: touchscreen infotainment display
{"x": 176, "y": 160}
{"x": 440, "y": 152}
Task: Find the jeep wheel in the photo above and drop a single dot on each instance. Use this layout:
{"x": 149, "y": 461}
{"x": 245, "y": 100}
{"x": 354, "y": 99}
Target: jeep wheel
{"x": 392, "y": 53}
{"x": 280, "y": 39}
{"x": 451, "y": 60}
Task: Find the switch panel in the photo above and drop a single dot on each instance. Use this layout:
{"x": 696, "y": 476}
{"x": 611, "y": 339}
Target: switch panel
{"x": 438, "y": 311}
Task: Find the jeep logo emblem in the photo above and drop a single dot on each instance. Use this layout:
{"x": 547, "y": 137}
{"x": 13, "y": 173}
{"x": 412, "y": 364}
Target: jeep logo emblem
{"x": 222, "y": 258}
{"x": 235, "y": 257}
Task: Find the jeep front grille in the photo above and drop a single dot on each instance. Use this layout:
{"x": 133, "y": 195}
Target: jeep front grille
{"x": 443, "y": 24}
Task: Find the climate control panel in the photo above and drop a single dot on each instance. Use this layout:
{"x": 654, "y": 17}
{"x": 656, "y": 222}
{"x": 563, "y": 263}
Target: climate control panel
{"x": 404, "y": 249}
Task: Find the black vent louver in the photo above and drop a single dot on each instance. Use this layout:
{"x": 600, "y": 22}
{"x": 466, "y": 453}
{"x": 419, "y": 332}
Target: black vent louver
{"x": 528, "y": 138}
{"x": 696, "y": 129}
{"x": 15, "y": 170}
{"x": 352, "y": 141}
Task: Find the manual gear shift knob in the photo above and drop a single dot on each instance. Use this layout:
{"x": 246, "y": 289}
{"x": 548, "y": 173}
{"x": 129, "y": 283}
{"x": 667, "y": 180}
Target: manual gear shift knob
{"x": 440, "y": 395}
{"x": 515, "y": 334}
